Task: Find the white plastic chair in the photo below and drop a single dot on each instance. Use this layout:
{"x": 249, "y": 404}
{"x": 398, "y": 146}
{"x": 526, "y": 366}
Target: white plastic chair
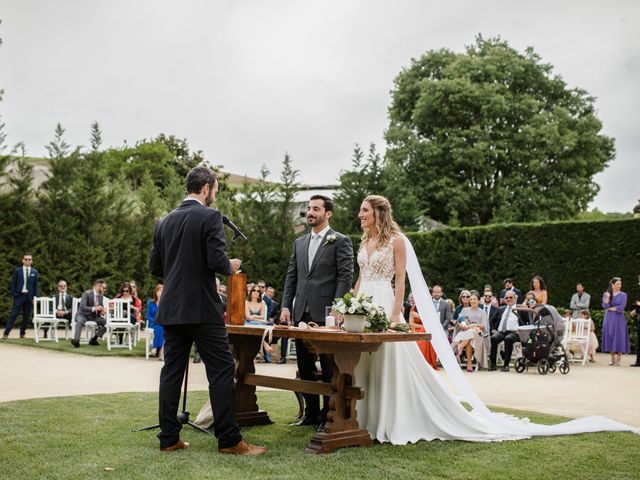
{"x": 44, "y": 317}
{"x": 119, "y": 323}
{"x": 577, "y": 338}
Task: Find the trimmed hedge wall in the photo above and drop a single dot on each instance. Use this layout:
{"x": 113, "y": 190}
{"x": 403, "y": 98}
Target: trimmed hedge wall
{"x": 563, "y": 253}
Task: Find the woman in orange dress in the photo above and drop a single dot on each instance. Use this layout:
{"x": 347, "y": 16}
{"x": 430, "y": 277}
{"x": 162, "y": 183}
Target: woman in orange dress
{"x": 424, "y": 345}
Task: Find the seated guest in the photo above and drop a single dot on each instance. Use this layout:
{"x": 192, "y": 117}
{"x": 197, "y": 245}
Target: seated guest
{"x": 463, "y": 302}
{"x": 472, "y": 323}
{"x": 407, "y": 305}
{"x": 428, "y": 352}
{"x": 504, "y": 326}
{"x": 488, "y": 290}
{"x": 158, "y": 331}
{"x": 136, "y": 300}
{"x": 255, "y": 313}
{"x": 92, "y": 308}
{"x": 125, "y": 294}
{"x": 539, "y": 290}
{"x": 64, "y": 301}
{"x": 255, "y": 310}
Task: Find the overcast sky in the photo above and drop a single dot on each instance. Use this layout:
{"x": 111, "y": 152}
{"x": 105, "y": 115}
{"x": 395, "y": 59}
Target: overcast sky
{"x": 246, "y": 81}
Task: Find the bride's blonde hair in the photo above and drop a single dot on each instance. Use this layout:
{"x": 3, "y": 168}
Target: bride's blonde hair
{"x": 384, "y": 227}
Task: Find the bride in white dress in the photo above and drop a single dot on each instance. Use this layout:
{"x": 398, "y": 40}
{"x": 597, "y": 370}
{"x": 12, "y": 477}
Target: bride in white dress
{"x": 405, "y": 399}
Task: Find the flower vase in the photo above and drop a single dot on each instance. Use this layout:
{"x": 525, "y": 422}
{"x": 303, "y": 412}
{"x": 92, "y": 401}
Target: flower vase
{"x": 354, "y": 323}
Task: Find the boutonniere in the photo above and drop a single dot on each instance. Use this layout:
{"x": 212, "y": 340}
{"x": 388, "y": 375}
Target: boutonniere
{"x": 330, "y": 238}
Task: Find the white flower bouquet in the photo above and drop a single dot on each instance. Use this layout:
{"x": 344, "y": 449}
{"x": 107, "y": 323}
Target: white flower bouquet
{"x": 376, "y": 318}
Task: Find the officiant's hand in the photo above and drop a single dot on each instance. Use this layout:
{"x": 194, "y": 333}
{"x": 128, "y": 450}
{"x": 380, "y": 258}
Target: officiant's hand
{"x": 235, "y": 264}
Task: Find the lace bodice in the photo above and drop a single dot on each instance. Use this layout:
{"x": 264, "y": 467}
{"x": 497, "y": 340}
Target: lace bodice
{"x": 380, "y": 266}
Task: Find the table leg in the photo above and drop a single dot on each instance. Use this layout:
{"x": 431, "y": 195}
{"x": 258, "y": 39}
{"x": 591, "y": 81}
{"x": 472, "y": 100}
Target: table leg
{"x": 245, "y": 349}
{"x": 342, "y": 428}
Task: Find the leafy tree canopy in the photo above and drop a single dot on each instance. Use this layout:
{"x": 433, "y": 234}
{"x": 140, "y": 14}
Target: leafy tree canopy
{"x": 492, "y": 135}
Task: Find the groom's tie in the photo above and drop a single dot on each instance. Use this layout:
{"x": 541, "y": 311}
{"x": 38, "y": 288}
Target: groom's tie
{"x": 314, "y": 243}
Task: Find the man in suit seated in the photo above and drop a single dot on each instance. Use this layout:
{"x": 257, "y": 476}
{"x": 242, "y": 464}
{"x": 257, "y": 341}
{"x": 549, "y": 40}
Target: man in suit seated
{"x": 92, "y": 308}
{"x": 64, "y": 302}
{"x": 504, "y": 325}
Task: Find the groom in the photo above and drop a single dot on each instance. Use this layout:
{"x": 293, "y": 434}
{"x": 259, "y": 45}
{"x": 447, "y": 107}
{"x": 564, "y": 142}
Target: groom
{"x": 320, "y": 269}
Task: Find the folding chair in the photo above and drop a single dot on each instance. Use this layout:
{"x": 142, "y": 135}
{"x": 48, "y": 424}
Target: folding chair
{"x": 44, "y": 317}
{"x": 577, "y": 338}
{"x": 119, "y": 323}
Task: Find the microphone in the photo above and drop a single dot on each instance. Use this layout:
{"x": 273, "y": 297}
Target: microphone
{"x": 233, "y": 227}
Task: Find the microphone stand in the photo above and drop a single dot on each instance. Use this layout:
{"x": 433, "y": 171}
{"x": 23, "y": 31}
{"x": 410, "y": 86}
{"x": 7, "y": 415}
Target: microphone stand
{"x": 233, "y": 239}
{"x": 183, "y": 417}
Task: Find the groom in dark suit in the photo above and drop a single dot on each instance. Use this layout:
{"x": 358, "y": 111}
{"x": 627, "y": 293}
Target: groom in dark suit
{"x": 188, "y": 250}
{"x": 24, "y": 286}
{"x": 320, "y": 270}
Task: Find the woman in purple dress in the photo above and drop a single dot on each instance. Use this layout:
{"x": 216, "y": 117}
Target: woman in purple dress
{"x": 615, "y": 334}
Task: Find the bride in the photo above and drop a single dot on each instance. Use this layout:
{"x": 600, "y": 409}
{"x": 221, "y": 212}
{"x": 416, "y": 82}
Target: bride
{"x": 406, "y": 401}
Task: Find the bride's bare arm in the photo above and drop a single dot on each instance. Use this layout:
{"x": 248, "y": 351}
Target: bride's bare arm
{"x": 356, "y": 289}
{"x": 400, "y": 258}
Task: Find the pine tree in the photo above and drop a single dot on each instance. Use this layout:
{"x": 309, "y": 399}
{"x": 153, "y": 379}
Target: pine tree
{"x": 55, "y": 209}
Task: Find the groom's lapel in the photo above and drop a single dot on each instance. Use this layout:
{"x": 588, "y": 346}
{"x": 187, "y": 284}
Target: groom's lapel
{"x": 320, "y": 251}
{"x": 305, "y": 251}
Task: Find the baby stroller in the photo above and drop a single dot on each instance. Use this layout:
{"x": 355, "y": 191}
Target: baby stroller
{"x": 541, "y": 341}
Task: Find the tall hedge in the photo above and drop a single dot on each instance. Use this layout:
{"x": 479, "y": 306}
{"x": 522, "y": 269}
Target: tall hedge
{"x": 563, "y": 253}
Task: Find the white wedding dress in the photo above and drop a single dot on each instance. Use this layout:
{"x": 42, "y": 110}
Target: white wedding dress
{"x": 407, "y": 401}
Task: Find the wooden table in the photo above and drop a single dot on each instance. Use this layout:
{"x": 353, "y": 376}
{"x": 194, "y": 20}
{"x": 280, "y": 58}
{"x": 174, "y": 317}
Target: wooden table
{"x": 343, "y": 350}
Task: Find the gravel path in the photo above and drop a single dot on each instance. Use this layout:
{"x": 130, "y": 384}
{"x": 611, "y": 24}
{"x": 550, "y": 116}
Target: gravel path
{"x": 595, "y": 389}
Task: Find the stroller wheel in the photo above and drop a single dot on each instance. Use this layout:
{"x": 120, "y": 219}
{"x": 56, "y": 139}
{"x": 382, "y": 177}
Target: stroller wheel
{"x": 552, "y": 367}
{"x": 543, "y": 366}
{"x": 564, "y": 367}
{"x": 519, "y": 365}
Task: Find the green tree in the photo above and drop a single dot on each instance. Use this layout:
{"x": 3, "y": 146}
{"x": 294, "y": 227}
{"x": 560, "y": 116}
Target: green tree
{"x": 285, "y": 219}
{"x": 372, "y": 176}
{"x": 55, "y": 207}
{"x": 492, "y": 134}
{"x": 182, "y": 159}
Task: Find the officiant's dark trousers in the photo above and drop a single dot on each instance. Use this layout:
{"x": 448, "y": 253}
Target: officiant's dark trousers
{"x": 213, "y": 345}
{"x": 307, "y": 370}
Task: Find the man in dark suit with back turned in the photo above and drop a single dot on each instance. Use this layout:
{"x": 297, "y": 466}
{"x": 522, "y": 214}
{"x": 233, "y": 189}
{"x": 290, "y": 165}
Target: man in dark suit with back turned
{"x": 320, "y": 270}
{"x": 188, "y": 250}
{"x": 24, "y": 286}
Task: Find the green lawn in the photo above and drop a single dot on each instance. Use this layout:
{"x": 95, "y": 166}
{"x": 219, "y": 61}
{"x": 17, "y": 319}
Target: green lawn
{"x": 91, "y": 350}
{"x": 78, "y": 437}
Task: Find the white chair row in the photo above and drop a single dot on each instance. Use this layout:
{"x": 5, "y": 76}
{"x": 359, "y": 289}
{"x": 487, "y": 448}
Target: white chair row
{"x": 121, "y": 333}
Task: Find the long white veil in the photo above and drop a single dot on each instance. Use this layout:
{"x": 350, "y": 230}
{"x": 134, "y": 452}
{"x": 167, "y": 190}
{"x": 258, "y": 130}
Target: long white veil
{"x": 450, "y": 365}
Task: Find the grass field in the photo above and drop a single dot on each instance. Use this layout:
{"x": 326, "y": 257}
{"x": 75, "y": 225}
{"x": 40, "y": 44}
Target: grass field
{"x": 91, "y": 350}
{"x": 82, "y": 437}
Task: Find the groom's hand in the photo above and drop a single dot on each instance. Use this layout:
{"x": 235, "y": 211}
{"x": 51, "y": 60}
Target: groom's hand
{"x": 285, "y": 316}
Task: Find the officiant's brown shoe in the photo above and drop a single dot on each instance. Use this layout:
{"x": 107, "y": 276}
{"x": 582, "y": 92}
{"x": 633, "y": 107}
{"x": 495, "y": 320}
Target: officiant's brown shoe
{"x": 179, "y": 445}
{"x": 244, "y": 448}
